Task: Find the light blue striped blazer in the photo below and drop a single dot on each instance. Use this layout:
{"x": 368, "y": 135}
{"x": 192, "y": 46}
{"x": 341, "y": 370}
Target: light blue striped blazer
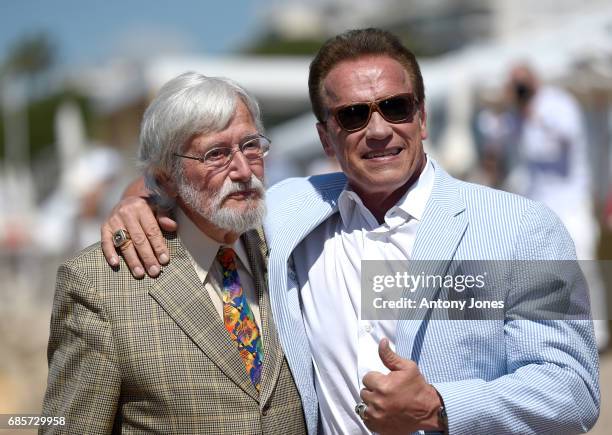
{"x": 494, "y": 376}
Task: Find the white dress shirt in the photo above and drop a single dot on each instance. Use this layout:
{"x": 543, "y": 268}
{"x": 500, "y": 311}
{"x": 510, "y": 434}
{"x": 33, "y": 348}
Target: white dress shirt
{"x": 202, "y": 252}
{"x": 328, "y": 267}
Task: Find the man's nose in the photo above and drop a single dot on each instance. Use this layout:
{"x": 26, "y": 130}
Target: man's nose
{"x": 377, "y": 127}
{"x": 239, "y": 168}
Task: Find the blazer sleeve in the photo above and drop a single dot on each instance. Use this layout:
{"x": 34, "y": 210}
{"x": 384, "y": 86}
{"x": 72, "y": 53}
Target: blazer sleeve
{"x": 84, "y": 380}
{"x": 551, "y": 385}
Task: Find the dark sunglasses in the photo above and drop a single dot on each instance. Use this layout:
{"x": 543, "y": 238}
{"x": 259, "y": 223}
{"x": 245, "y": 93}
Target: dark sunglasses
{"x": 395, "y": 109}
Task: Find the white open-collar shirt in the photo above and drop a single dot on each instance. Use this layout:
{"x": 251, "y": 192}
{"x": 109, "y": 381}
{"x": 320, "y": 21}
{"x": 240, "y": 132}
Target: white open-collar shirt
{"x": 328, "y": 267}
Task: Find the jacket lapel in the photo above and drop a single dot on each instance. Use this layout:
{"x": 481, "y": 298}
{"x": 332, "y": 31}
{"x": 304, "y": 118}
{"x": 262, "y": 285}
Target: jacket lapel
{"x": 283, "y": 236}
{"x": 439, "y": 234}
{"x": 318, "y": 204}
{"x": 256, "y": 250}
{"x": 180, "y": 293}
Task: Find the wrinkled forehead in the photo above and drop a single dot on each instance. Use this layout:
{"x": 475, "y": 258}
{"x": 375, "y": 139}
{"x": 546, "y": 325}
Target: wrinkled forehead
{"x": 366, "y": 78}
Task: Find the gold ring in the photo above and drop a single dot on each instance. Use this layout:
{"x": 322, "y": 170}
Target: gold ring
{"x": 120, "y": 237}
{"x": 360, "y": 409}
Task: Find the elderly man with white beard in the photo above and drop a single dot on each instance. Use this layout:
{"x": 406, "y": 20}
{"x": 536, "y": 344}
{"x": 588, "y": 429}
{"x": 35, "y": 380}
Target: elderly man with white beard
{"x": 194, "y": 350}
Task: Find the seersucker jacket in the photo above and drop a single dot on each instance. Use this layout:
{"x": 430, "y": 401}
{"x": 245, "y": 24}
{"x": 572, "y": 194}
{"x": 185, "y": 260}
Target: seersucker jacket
{"x": 501, "y": 377}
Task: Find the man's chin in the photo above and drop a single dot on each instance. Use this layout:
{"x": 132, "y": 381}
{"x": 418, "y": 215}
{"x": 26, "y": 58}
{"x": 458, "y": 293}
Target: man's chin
{"x": 240, "y": 215}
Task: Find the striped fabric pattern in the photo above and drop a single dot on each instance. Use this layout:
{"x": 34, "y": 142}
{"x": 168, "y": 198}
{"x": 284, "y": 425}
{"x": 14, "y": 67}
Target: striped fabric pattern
{"x": 515, "y": 376}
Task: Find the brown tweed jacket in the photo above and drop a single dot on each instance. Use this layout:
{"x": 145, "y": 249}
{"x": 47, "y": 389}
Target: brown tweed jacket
{"x": 153, "y": 356}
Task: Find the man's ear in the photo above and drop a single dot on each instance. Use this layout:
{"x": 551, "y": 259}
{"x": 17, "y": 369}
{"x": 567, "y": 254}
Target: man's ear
{"x": 325, "y": 141}
{"x": 423, "y": 121}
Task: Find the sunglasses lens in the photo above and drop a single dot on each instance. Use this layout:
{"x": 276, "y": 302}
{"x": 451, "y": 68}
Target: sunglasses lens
{"x": 397, "y": 109}
{"x": 353, "y": 117}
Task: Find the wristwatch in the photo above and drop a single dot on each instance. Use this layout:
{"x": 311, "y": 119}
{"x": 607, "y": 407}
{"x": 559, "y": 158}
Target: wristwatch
{"x": 442, "y": 417}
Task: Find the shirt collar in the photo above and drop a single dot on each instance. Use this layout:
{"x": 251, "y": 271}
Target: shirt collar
{"x": 410, "y": 206}
{"x": 203, "y": 249}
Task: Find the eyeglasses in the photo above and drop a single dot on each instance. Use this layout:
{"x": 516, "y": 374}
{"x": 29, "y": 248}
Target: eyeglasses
{"x": 395, "y": 109}
{"x": 253, "y": 148}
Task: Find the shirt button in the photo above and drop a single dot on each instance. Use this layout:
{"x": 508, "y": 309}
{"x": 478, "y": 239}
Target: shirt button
{"x": 368, "y": 328}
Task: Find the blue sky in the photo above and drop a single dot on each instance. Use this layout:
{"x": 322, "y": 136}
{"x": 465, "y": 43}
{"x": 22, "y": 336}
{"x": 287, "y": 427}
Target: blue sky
{"x": 88, "y": 32}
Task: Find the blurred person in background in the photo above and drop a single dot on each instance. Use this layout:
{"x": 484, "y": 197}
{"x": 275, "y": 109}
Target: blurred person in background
{"x": 70, "y": 217}
{"x": 195, "y": 351}
{"x": 550, "y": 165}
{"x": 393, "y": 202}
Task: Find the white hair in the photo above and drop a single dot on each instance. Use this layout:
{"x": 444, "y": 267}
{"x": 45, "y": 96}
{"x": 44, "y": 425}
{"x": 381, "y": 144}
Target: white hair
{"x": 187, "y": 105}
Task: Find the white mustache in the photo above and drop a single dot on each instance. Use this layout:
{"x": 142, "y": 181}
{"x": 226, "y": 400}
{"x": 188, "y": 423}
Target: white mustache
{"x": 229, "y": 187}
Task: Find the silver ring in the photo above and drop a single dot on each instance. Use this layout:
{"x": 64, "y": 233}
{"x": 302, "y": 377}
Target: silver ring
{"x": 120, "y": 237}
{"x": 360, "y": 409}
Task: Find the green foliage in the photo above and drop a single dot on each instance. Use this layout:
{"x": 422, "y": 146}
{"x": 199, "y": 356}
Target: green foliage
{"x": 31, "y": 55}
{"x": 29, "y": 58}
{"x": 419, "y": 45}
{"x": 272, "y": 45}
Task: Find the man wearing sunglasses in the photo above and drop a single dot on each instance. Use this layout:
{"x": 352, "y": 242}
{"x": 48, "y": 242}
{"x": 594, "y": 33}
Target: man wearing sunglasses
{"x": 392, "y": 202}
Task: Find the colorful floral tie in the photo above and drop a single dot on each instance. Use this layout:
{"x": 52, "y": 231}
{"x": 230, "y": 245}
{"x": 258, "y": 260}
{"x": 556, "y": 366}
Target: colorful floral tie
{"x": 238, "y": 317}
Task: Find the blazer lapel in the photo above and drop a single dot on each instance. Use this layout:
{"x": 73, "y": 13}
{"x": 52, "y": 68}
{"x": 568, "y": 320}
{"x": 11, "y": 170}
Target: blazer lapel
{"x": 283, "y": 236}
{"x": 180, "y": 293}
{"x": 320, "y": 204}
{"x": 273, "y": 356}
{"x": 439, "y": 234}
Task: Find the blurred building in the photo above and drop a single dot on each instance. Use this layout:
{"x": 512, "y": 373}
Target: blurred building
{"x": 465, "y": 48}
{"x": 569, "y": 41}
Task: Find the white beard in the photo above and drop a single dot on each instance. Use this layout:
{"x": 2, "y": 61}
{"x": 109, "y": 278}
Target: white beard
{"x": 227, "y": 218}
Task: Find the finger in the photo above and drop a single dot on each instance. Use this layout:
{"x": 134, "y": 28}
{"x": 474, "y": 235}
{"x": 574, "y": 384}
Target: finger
{"x": 390, "y": 359}
{"x": 166, "y": 222}
{"x": 367, "y": 396}
{"x": 368, "y": 423}
{"x": 370, "y": 418}
{"x": 155, "y": 239}
{"x": 128, "y": 251}
{"x": 108, "y": 248}
{"x": 372, "y": 380}
{"x": 142, "y": 252}
{"x": 130, "y": 256}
